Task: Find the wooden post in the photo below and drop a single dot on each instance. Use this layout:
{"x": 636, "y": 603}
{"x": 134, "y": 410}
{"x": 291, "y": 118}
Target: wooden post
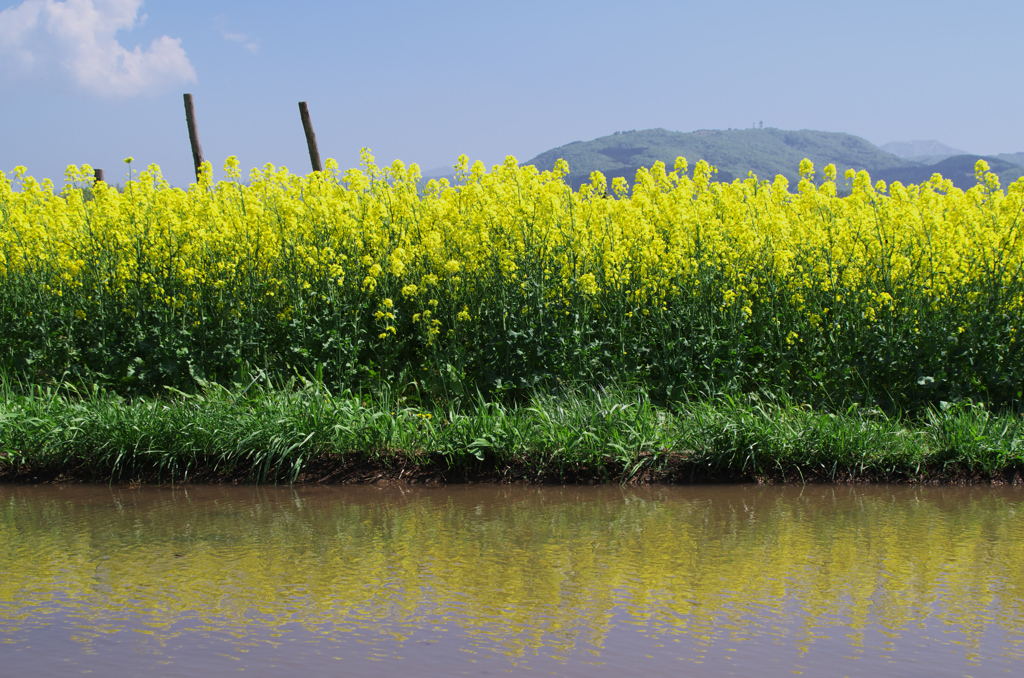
{"x": 193, "y": 134}
{"x": 307, "y": 126}
{"x": 99, "y": 175}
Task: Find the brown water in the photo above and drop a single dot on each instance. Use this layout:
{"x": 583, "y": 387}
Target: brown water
{"x": 486, "y": 580}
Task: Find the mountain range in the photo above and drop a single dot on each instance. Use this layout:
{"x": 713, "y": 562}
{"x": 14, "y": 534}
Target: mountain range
{"x": 770, "y": 151}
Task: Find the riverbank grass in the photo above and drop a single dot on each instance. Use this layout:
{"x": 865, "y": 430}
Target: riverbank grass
{"x": 309, "y": 434}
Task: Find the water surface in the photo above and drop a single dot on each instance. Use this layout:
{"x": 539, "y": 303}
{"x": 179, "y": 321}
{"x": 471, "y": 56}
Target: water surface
{"x": 490, "y": 580}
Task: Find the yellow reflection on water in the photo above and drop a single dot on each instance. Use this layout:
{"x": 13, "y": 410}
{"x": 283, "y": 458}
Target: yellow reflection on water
{"x": 517, "y": 572}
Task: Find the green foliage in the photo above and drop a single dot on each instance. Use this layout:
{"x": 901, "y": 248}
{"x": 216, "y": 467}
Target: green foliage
{"x": 259, "y": 432}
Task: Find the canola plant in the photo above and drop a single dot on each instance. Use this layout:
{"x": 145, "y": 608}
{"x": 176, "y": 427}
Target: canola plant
{"x": 836, "y": 291}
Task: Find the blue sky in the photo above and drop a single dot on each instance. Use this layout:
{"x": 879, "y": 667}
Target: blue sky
{"x": 93, "y": 81}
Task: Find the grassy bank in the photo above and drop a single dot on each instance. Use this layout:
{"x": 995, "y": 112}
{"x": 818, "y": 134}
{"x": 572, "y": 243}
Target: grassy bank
{"x": 307, "y": 434}
{"x": 465, "y": 309}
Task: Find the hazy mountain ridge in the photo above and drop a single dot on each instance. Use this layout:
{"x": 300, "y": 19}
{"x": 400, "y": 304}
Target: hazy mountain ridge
{"x": 931, "y": 152}
{"x": 923, "y": 151}
{"x": 1012, "y": 158}
{"x": 959, "y": 169}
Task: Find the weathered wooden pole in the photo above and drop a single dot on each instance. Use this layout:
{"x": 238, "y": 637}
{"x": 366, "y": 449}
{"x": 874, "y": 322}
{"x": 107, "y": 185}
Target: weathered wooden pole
{"x": 98, "y": 173}
{"x": 193, "y": 134}
{"x": 307, "y": 126}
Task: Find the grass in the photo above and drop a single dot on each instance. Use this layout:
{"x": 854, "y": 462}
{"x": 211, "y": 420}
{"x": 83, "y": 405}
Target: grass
{"x": 304, "y": 433}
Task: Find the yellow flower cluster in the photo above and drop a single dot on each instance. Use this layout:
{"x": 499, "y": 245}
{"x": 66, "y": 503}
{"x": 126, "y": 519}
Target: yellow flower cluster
{"x": 383, "y": 232}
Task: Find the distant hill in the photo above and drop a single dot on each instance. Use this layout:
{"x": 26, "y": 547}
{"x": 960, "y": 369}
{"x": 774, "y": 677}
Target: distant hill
{"x": 438, "y": 173}
{"x": 924, "y": 152}
{"x": 959, "y": 169}
{"x": 765, "y": 152}
{"x": 1012, "y": 158}
{"x": 932, "y": 152}
{"x": 930, "y": 159}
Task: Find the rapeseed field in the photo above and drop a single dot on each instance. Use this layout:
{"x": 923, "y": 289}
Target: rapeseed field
{"x": 505, "y": 282}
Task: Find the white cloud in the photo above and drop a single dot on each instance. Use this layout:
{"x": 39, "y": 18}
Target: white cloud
{"x": 243, "y": 39}
{"x": 77, "y": 38}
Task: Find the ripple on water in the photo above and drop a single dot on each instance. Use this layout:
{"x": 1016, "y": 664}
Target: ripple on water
{"x": 576, "y": 580}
